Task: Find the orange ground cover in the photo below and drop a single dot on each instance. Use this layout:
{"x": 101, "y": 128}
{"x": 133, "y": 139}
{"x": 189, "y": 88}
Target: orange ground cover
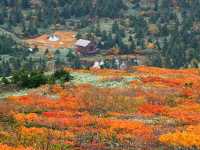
{"x": 67, "y": 40}
{"x": 160, "y": 110}
{"x": 164, "y": 71}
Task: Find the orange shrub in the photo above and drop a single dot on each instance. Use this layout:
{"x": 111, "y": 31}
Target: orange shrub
{"x": 23, "y": 118}
{"x": 6, "y": 147}
{"x": 66, "y": 102}
{"x": 134, "y": 128}
{"x": 184, "y": 115}
{"x": 169, "y": 82}
{"x": 185, "y": 139}
{"x": 151, "y": 110}
{"x": 103, "y": 100}
{"x": 188, "y": 138}
{"x": 159, "y": 71}
{"x": 44, "y": 132}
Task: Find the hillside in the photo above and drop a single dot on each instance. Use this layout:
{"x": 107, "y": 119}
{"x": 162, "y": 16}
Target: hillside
{"x": 99, "y": 74}
{"x": 143, "y": 108}
{"x": 168, "y": 26}
{"x": 12, "y": 35}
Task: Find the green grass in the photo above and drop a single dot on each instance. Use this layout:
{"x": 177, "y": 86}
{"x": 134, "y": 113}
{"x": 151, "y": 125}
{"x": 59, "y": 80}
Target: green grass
{"x": 87, "y": 78}
{"x": 17, "y": 93}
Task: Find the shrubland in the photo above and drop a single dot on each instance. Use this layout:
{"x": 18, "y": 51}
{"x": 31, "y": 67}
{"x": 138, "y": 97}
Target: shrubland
{"x": 149, "y": 114}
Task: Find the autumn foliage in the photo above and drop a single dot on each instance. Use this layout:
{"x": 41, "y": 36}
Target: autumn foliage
{"x": 160, "y": 109}
{"x": 6, "y": 147}
{"x": 187, "y": 138}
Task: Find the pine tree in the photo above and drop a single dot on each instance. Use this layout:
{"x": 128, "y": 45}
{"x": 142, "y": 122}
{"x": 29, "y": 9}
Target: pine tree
{"x": 25, "y": 4}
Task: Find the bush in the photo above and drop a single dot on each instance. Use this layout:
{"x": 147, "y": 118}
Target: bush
{"x": 5, "y": 81}
{"x": 26, "y": 79}
{"x": 63, "y": 76}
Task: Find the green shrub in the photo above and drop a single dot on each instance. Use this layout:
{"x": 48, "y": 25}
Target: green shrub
{"x": 25, "y": 79}
{"x": 63, "y": 76}
{"x": 4, "y": 80}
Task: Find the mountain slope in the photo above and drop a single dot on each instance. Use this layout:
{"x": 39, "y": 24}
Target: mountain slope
{"x": 12, "y": 35}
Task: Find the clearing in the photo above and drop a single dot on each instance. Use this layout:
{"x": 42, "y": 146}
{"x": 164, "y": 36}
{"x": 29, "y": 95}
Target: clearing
{"x": 66, "y": 40}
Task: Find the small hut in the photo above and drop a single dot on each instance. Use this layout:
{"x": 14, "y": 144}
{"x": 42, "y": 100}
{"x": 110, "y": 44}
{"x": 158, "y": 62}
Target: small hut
{"x": 85, "y": 47}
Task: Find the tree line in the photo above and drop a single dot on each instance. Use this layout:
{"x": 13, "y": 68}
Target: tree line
{"x": 172, "y": 25}
{"x": 31, "y": 16}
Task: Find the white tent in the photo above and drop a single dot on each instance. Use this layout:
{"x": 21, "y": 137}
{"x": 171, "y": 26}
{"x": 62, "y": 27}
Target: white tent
{"x": 96, "y": 65}
{"x": 101, "y": 63}
{"x": 53, "y": 38}
{"x": 123, "y": 66}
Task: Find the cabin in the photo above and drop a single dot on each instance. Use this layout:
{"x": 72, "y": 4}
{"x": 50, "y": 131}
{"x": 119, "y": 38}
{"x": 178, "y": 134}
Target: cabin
{"x": 85, "y": 47}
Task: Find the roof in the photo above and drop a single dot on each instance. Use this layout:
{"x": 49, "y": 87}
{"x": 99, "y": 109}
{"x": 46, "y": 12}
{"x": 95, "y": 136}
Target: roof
{"x": 82, "y": 43}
